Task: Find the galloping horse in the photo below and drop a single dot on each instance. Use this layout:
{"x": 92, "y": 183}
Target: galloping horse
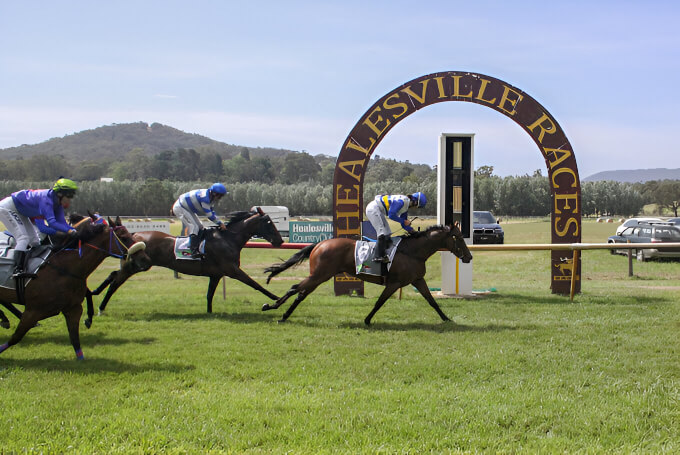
{"x": 331, "y": 257}
{"x": 222, "y": 258}
{"x": 61, "y": 283}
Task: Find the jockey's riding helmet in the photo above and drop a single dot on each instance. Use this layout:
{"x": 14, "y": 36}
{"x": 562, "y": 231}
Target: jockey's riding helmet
{"x": 420, "y": 199}
{"x": 65, "y": 187}
{"x": 218, "y": 188}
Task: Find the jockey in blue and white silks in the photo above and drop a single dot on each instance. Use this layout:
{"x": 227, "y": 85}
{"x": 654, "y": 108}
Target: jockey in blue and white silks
{"x": 189, "y": 205}
{"x": 394, "y": 207}
{"x": 46, "y": 207}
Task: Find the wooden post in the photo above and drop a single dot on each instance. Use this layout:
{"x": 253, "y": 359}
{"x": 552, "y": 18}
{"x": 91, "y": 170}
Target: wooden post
{"x": 630, "y": 261}
{"x": 574, "y": 268}
{"x": 224, "y": 289}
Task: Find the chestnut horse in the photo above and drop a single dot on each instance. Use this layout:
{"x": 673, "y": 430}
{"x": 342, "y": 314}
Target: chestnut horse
{"x": 61, "y": 283}
{"x": 331, "y": 257}
{"x": 222, "y": 254}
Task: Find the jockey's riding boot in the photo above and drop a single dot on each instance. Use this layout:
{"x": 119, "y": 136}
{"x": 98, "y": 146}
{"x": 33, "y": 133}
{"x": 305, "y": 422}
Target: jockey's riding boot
{"x": 19, "y": 269}
{"x": 380, "y": 255}
{"x": 194, "y": 243}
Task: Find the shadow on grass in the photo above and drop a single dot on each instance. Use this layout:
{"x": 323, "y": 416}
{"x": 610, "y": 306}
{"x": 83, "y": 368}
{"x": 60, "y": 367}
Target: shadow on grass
{"x": 242, "y": 318}
{"x": 91, "y": 365}
{"x": 441, "y": 327}
{"x": 86, "y": 339}
{"x": 583, "y": 298}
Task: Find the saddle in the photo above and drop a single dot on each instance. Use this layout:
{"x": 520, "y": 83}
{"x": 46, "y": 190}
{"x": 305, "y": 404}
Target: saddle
{"x": 364, "y": 255}
{"x": 36, "y": 258}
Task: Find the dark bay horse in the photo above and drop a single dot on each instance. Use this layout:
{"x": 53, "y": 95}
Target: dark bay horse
{"x": 61, "y": 283}
{"x": 331, "y": 257}
{"x": 222, "y": 258}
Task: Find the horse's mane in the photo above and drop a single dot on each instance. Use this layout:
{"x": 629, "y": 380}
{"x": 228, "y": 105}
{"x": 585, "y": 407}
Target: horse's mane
{"x": 418, "y": 234}
{"x": 235, "y": 217}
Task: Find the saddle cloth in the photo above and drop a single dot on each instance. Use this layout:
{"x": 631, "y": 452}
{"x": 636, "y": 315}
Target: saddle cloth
{"x": 183, "y": 251}
{"x": 37, "y": 258}
{"x": 364, "y": 253}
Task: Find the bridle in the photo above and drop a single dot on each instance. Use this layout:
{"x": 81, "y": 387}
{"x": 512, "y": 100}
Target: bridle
{"x": 123, "y": 252}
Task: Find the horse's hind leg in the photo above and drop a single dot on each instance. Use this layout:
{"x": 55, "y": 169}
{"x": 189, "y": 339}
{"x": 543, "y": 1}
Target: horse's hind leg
{"x": 390, "y": 289}
{"x": 421, "y": 285}
{"x": 27, "y": 322}
{"x": 292, "y": 291}
{"x": 305, "y": 288}
{"x": 212, "y": 286}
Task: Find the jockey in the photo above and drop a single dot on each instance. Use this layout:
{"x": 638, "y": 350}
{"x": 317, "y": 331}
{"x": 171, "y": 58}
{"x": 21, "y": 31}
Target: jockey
{"x": 395, "y": 207}
{"x": 46, "y": 207}
{"x": 188, "y": 205}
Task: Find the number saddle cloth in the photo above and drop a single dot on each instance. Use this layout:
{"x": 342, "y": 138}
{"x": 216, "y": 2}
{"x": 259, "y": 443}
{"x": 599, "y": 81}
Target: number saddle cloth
{"x": 37, "y": 257}
{"x": 364, "y": 253}
{"x": 183, "y": 251}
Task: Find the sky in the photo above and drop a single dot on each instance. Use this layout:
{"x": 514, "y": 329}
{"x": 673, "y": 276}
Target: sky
{"x": 299, "y": 74}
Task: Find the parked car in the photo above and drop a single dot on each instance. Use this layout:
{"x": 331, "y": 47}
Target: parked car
{"x": 485, "y": 228}
{"x": 649, "y": 233}
{"x": 634, "y": 222}
{"x": 675, "y": 221}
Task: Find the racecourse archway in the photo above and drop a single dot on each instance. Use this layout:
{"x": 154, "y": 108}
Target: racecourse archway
{"x": 472, "y": 88}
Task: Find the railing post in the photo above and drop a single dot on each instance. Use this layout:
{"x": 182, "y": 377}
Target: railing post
{"x": 630, "y": 261}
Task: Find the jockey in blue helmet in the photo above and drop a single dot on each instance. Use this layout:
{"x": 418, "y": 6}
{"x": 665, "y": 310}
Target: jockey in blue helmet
{"x": 196, "y": 202}
{"x": 394, "y": 207}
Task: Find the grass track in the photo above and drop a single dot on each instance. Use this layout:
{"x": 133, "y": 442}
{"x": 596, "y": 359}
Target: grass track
{"x": 520, "y": 370}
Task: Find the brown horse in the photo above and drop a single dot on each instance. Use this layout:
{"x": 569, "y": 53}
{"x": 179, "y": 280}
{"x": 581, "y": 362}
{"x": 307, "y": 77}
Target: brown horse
{"x": 61, "y": 283}
{"x": 331, "y": 257}
{"x": 222, "y": 258}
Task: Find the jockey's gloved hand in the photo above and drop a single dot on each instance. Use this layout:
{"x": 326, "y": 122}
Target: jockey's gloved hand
{"x": 72, "y": 234}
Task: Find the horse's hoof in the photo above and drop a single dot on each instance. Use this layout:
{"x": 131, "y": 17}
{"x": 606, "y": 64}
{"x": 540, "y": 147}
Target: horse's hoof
{"x": 88, "y": 323}
{"x": 282, "y": 321}
{"x": 101, "y": 313}
{"x": 4, "y": 324}
{"x": 266, "y": 307}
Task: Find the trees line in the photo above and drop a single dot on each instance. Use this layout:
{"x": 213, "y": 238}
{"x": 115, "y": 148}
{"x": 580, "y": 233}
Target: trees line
{"x": 514, "y": 196}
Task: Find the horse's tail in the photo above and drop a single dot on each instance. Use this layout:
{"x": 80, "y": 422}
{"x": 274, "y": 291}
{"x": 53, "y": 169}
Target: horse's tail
{"x": 294, "y": 260}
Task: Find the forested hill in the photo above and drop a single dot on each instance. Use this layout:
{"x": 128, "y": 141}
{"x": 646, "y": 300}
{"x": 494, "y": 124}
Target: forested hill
{"x": 113, "y": 142}
{"x": 635, "y": 175}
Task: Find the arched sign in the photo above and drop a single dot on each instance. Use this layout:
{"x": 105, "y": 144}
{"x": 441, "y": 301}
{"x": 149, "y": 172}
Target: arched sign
{"x": 472, "y": 88}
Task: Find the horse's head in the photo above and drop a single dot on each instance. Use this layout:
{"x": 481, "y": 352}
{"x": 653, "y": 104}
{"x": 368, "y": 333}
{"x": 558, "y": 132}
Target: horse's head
{"x": 455, "y": 243}
{"x": 268, "y": 231}
{"x": 135, "y": 252}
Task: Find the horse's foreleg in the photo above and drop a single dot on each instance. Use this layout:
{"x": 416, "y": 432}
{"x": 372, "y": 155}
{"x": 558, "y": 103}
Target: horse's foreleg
{"x": 72, "y": 316}
{"x": 118, "y": 277}
{"x": 421, "y": 285}
{"x": 105, "y": 283}
{"x": 390, "y": 289}
{"x": 14, "y": 310}
{"x": 90, "y": 309}
{"x": 292, "y": 291}
{"x": 212, "y": 286}
{"x": 27, "y": 322}
{"x": 4, "y": 322}
{"x": 240, "y": 275}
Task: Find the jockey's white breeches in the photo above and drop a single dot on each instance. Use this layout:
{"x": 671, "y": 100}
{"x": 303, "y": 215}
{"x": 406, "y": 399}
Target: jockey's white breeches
{"x": 188, "y": 218}
{"x": 20, "y": 226}
{"x": 376, "y": 215}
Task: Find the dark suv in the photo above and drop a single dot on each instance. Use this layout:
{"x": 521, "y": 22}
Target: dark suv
{"x": 649, "y": 233}
{"x": 485, "y": 228}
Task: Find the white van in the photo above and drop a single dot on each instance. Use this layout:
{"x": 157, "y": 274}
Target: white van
{"x": 635, "y": 222}
{"x": 279, "y": 215}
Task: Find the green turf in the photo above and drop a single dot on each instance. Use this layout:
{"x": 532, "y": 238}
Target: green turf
{"x": 519, "y": 371}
